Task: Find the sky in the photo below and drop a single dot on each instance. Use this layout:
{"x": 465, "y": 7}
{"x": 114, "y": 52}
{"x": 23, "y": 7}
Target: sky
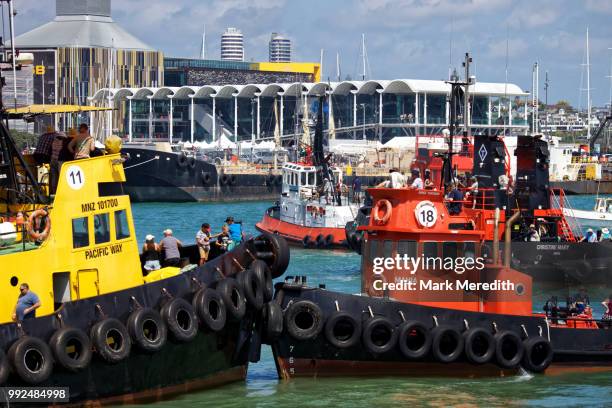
{"x": 416, "y": 39}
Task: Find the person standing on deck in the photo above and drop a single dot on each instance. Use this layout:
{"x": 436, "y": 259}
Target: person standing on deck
{"x": 27, "y": 303}
{"x": 170, "y": 247}
{"x": 83, "y": 144}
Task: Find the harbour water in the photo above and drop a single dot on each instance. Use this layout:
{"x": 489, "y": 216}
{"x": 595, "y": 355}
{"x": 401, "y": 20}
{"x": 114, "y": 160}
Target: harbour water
{"x": 339, "y": 270}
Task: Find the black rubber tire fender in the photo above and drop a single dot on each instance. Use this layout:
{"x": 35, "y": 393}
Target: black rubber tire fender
{"x": 320, "y": 240}
{"x": 5, "y": 367}
{"x": 280, "y": 249}
{"x": 379, "y": 335}
{"x": 210, "y": 307}
{"x": 307, "y": 241}
{"x": 192, "y": 163}
{"x": 272, "y": 321}
{"x": 147, "y": 329}
{"x": 233, "y": 180}
{"x": 31, "y": 359}
{"x": 233, "y": 298}
{"x": 446, "y": 344}
{"x": 181, "y": 320}
{"x": 182, "y": 161}
{"x": 71, "y": 348}
{"x": 509, "y": 349}
{"x": 252, "y": 287}
{"x": 342, "y": 330}
{"x": 538, "y": 354}
{"x": 270, "y": 179}
{"x": 329, "y": 240}
{"x": 479, "y": 345}
{"x": 303, "y": 320}
{"x": 206, "y": 178}
{"x": 111, "y": 340}
{"x": 414, "y": 340}
{"x": 264, "y": 274}
{"x": 224, "y": 179}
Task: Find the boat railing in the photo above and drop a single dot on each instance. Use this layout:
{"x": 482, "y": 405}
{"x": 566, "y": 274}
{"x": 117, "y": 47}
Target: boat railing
{"x": 480, "y": 199}
{"x": 559, "y": 201}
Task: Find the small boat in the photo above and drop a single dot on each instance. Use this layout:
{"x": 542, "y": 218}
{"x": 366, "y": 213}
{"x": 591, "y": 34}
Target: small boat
{"x": 314, "y": 205}
{"x": 600, "y": 217}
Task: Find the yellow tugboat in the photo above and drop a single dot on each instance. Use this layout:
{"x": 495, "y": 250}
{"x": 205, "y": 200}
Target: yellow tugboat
{"x": 103, "y": 329}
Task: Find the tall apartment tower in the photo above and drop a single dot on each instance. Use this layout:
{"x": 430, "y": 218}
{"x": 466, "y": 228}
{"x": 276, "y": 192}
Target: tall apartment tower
{"x": 279, "y": 48}
{"x": 232, "y": 45}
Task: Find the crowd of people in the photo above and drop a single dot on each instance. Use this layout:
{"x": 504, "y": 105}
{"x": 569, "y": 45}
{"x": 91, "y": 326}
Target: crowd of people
{"x": 578, "y": 306}
{"x": 168, "y": 251}
{"x": 55, "y": 147}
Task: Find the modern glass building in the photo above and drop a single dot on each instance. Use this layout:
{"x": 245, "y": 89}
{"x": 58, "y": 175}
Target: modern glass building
{"x": 377, "y": 109}
{"x": 279, "y": 48}
{"x": 232, "y": 45}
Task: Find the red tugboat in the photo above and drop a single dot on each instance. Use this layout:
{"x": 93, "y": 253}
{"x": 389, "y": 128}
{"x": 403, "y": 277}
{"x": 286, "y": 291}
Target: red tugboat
{"x": 312, "y": 210}
{"x": 440, "y": 294}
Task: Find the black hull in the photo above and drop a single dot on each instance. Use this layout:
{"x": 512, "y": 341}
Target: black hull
{"x": 584, "y": 348}
{"x": 174, "y": 179}
{"x": 210, "y": 359}
{"x": 583, "y": 186}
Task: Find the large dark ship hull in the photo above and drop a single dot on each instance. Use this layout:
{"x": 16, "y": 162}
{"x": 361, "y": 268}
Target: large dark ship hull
{"x": 583, "y": 186}
{"x": 587, "y": 349}
{"x": 211, "y": 358}
{"x": 154, "y": 175}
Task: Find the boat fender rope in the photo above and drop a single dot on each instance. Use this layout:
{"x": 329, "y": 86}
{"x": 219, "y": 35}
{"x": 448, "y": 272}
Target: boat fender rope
{"x": 219, "y": 271}
{"x": 135, "y": 302}
{"x": 524, "y": 330}
{"x": 141, "y": 163}
{"x": 242, "y": 268}
{"x": 370, "y": 310}
{"x": 100, "y": 310}
{"x": 540, "y": 330}
{"x": 337, "y": 305}
{"x": 466, "y": 324}
{"x": 253, "y": 257}
{"x": 547, "y": 328}
{"x": 288, "y": 305}
{"x": 166, "y": 294}
{"x": 60, "y": 319}
{"x": 402, "y": 315}
{"x": 196, "y": 282}
{"x": 435, "y": 319}
{"x": 495, "y": 329}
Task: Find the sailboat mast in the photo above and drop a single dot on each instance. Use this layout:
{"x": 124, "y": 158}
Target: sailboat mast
{"x": 588, "y": 67}
{"x": 363, "y": 56}
{"x": 203, "y": 49}
{"x": 338, "y": 73}
{"x": 12, "y": 27}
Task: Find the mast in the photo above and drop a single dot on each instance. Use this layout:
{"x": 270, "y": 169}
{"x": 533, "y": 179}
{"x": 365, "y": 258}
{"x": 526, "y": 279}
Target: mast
{"x": 363, "y": 56}
{"x": 535, "y": 97}
{"x": 466, "y": 95}
{"x": 338, "y": 73}
{"x": 321, "y": 63}
{"x": 546, "y": 83}
{"x": 13, "y": 51}
{"x": 203, "y": 48}
{"x": 588, "y": 67}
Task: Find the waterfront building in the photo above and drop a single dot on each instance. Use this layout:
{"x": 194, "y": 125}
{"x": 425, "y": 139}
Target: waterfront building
{"x": 82, "y": 51}
{"x": 232, "y": 45}
{"x": 378, "y": 109}
{"x": 197, "y": 72}
{"x": 279, "y": 48}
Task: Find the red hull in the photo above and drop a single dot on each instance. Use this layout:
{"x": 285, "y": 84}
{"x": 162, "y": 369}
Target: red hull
{"x": 296, "y": 233}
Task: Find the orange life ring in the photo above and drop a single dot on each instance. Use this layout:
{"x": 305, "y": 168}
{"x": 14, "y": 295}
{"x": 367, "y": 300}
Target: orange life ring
{"x": 35, "y": 235}
{"x": 387, "y": 209}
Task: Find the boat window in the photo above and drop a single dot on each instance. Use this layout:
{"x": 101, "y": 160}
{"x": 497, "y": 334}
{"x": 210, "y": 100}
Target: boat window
{"x": 449, "y": 250}
{"x": 311, "y": 178}
{"x": 406, "y": 248}
{"x": 430, "y": 249}
{"x": 101, "y": 228}
{"x": 122, "y": 228}
{"x": 469, "y": 250}
{"x": 388, "y": 248}
{"x": 80, "y": 232}
{"x": 303, "y": 177}
{"x": 372, "y": 250}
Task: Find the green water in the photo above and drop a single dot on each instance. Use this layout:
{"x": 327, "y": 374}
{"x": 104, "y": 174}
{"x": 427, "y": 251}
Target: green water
{"x": 339, "y": 271}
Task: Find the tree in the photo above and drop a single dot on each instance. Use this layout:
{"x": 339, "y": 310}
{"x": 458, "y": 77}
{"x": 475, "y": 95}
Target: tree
{"x": 23, "y": 139}
{"x": 563, "y": 104}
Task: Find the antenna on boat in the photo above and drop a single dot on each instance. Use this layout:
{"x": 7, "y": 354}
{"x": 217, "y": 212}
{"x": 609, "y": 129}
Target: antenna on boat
{"x": 203, "y": 47}
{"x": 588, "y": 85}
{"x": 546, "y": 85}
{"x": 338, "y": 72}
